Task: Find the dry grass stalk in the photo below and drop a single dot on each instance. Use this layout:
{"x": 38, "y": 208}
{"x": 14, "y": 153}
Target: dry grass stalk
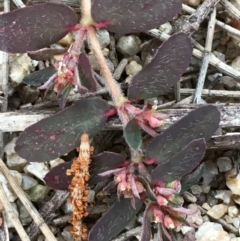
{"x": 37, "y": 218}
{"x": 79, "y": 188}
{"x": 12, "y": 215}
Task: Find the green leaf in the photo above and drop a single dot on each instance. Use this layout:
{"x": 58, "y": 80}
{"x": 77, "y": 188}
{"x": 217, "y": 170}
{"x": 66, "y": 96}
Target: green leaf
{"x": 132, "y": 134}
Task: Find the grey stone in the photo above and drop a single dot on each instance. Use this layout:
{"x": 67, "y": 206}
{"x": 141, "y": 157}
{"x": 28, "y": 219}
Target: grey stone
{"x": 28, "y": 182}
{"x": 128, "y": 45}
{"x": 224, "y": 164}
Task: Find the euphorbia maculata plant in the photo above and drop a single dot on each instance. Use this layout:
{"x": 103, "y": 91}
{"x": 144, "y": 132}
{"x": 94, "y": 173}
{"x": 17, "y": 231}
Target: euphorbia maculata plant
{"x": 155, "y": 178}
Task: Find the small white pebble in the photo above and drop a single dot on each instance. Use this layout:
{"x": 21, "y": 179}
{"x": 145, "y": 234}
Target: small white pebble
{"x": 206, "y": 189}
{"x": 228, "y": 219}
{"x": 206, "y": 206}
{"x": 236, "y": 222}
{"x": 232, "y": 211}
{"x": 205, "y": 218}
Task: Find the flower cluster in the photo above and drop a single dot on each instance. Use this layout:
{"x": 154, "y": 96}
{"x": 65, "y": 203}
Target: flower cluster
{"x": 126, "y": 180}
{"x": 147, "y": 117}
{"x": 79, "y": 189}
{"x": 168, "y": 209}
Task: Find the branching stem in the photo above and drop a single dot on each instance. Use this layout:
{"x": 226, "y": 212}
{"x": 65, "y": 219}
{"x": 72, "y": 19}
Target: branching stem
{"x": 113, "y": 87}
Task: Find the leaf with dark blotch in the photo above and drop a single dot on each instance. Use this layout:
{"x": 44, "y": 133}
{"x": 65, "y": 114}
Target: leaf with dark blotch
{"x": 57, "y": 178}
{"x": 130, "y": 16}
{"x": 132, "y": 134}
{"x": 45, "y": 53}
{"x": 58, "y": 134}
{"x": 103, "y": 162}
{"x": 86, "y": 73}
{"x": 200, "y": 123}
{"x": 35, "y": 27}
{"x": 39, "y": 77}
{"x": 115, "y": 220}
{"x": 146, "y": 228}
{"x": 181, "y": 164}
{"x": 192, "y": 178}
{"x": 165, "y": 69}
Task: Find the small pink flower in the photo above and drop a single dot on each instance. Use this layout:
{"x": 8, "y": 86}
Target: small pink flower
{"x": 162, "y": 201}
{"x": 176, "y": 185}
{"x": 168, "y": 222}
{"x": 158, "y": 215}
{"x": 165, "y": 191}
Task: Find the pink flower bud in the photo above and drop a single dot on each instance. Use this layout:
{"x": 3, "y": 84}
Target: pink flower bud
{"x": 158, "y": 215}
{"x": 162, "y": 201}
{"x": 165, "y": 191}
{"x": 176, "y": 185}
{"x": 168, "y": 222}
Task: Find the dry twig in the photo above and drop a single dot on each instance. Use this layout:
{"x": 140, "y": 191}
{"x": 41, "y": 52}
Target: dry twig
{"x": 4, "y": 61}
{"x": 19, "y": 3}
{"x": 12, "y": 215}
{"x": 206, "y": 57}
{"x": 224, "y": 26}
{"x": 28, "y": 205}
{"x": 232, "y": 10}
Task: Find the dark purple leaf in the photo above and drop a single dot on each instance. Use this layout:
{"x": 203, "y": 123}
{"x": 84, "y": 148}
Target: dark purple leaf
{"x": 86, "y": 73}
{"x": 58, "y": 134}
{"x": 35, "y": 27}
{"x": 181, "y": 164}
{"x": 132, "y": 134}
{"x": 103, "y": 162}
{"x": 39, "y": 77}
{"x": 146, "y": 228}
{"x": 200, "y": 123}
{"x": 45, "y": 53}
{"x": 57, "y": 178}
{"x": 130, "y": 16}
{"x": 115, "y": 220}
{"x": 165, "y": 69}
{"x": 192, "y": 178}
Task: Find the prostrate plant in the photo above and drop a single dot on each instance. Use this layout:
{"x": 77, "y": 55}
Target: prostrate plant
{"x": 170, "y": 155}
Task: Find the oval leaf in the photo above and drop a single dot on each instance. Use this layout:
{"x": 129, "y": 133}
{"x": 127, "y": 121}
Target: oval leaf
{"x": 35, "y": 27}
{"x": 181, "y": 164}
{"x": 103, "y": 162}
{"x": 200, "y": 123}
{"x": 132, "y": 134}
{"x": 58, "y": 134}
{"x": 192, "y": 178}
{"x": 86, "y": 73}
{"x": 57, "y": 178}
{"x": 115, "y": 220}
{"x": 165, "y": 69}
{"x": 39, "y": 77}
{"x": 130, "y": 16}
